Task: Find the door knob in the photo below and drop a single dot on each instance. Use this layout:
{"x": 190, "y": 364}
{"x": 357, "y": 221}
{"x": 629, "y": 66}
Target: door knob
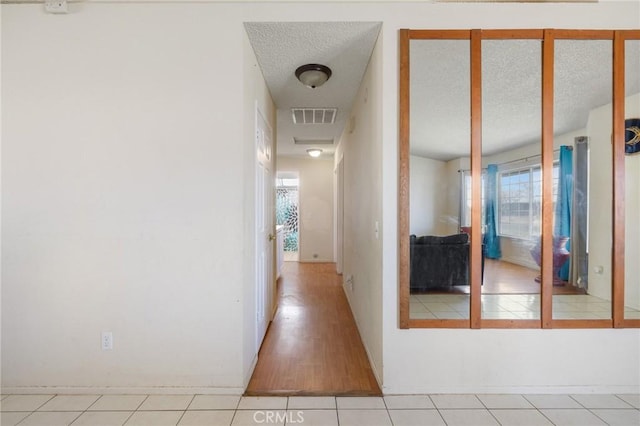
{"x": 272, "y": 237}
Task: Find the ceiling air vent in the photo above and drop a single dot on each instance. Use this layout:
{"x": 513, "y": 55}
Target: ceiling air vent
{"x": 301, "y": 141}
{"x": 314, "y": 115}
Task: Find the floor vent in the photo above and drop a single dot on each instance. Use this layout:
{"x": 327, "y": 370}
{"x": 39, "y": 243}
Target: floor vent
{"x": 314, "y": 115}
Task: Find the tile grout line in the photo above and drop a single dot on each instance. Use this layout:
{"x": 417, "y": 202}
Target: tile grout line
{"x": 26, "y": 417}
{"x": 597, "y": 416}
{"x": 487, "y": 409}
{"x": 129, "y": 418}
{"x": 437, "y": 409}
{"x": 185, "y": 410}
{"x": 39, "y": 407}
{"x": 538, "y": 410}
{"x": 386, "y": 407}
{"x": 603, "y": 420}
{"x": 580, "y": 407}
{"x": 543, "y": 415}
{"x": 87, "y": 409}
{"x": 136, "y": 410}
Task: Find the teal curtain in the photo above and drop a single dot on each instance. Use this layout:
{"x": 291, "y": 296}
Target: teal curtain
{"x": 564, "y": 203}
{"x": 491, "y": 239}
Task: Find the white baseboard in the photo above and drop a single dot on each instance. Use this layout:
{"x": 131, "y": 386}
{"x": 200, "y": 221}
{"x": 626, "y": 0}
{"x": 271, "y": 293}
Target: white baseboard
{"x": 376, "y": 374}
{"x": 516, "y": 390}
{"x": 111, "y": 390}
{"x": 373, "y": 365}
{"x": 247, "y": 377}
{"x": 170, "y": 390}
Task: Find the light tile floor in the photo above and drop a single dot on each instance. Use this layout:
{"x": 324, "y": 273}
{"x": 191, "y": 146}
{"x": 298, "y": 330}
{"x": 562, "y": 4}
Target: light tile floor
{"x": 512, "y": 306}
{"x": 392, "y": 410}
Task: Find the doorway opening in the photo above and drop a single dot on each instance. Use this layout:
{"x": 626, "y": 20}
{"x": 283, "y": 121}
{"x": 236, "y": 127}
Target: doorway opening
{"x": 287, "y": 213}
{"x": 313, "y": 345}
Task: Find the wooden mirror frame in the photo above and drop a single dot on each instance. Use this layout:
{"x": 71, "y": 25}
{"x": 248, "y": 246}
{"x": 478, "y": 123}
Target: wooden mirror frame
{"x": 547, "y": 37}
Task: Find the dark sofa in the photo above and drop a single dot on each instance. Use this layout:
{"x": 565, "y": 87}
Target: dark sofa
{"x": 439, "y": 262}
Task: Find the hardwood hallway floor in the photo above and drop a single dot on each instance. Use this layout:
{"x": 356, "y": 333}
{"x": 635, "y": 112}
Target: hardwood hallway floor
{"x": 312, "y": 346}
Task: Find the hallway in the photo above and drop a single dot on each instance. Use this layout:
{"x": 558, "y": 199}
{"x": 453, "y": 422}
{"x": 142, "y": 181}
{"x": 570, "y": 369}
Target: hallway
{"x": 312, "y": 347}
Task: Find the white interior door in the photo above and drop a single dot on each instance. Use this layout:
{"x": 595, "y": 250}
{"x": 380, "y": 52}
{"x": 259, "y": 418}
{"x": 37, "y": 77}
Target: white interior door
{"x": 264, "y": 226}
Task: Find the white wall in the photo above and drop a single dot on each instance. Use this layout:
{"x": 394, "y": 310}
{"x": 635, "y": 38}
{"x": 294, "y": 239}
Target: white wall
{"x": 122, "y": 204}
{"x": 600, "y": 198}
{"x": 632, "y": 216}
{"x": 442, "y": 360}
{"x": 360, "y": 151}
{"x": 315, "y": 207}
{"x": 428, "y": 196}
{"x": 121, "y": 189}
{"x": 434, "y": 195}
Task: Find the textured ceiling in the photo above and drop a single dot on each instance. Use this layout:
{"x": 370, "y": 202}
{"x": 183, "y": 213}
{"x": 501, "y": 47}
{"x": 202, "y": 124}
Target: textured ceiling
{"x": 440, "y": 114}
{"x": 281, "y": 47}
{"x": 511, "y": 91}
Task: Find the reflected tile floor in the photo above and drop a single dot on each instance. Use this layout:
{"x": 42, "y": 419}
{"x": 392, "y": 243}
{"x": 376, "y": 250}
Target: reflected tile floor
{"x": 391, "y": 410}
{"x": 512, "y": 306}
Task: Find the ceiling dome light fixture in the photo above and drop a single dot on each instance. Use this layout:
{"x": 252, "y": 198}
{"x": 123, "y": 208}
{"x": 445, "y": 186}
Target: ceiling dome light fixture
{"x": 314, "y": 152}
{"x": 313, "y": 75}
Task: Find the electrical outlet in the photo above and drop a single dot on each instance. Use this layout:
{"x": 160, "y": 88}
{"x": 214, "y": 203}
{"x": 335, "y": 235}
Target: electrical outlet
{"x": 56, "y": 6}
{"x": 349, "y": 282}
{"x": 107, "y": 340}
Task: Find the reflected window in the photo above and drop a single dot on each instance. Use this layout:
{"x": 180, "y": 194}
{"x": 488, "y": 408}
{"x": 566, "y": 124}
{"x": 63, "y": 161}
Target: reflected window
{"x": 520, "y": 201}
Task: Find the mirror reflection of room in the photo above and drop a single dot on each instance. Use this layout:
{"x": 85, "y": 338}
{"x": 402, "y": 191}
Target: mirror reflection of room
{"x": 439, "y": 148}
{"x": 582, "y": 220}
{"x": 511, "y": 178}
{"x": 511, "y": 223}
{"x": 632, "y": 180}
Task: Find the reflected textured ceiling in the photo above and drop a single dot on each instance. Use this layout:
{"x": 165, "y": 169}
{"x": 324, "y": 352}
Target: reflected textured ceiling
{"x": 281, "y": 47}
{"x": 511, "y": 91}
